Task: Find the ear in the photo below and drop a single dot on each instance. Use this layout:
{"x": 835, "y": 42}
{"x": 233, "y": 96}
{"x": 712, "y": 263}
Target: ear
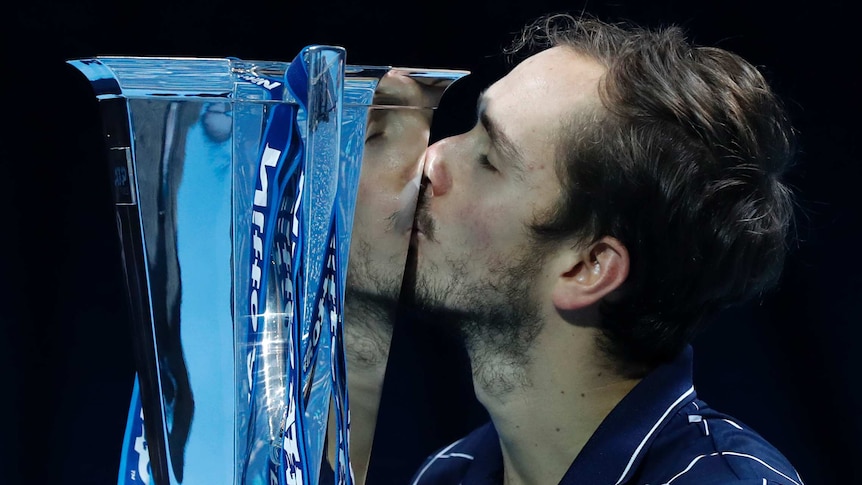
{"x": 588, "y": 275}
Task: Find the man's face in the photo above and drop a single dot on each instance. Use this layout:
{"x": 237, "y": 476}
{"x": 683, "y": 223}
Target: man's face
{"x": 475, "y": 256}
{"x": 395, "y": 139}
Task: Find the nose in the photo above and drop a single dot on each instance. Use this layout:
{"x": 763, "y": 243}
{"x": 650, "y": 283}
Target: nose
{"x": 436, "y": 170}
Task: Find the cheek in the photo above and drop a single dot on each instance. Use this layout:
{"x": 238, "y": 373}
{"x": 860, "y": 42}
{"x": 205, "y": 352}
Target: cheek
{"x": 375, "y": 202}
{"x": 483, "y": 226}
{"x": 376, "y": 180}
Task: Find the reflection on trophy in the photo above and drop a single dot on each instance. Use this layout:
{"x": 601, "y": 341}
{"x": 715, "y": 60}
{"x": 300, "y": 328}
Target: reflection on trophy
{"x": 243, "y": 190}
{"x": 397, "y": 133}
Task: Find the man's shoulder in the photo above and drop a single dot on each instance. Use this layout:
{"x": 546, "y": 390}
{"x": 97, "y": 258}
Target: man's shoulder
{"x": 703, "y": 446}
{"x": 697, "y": 445}
{"x": 450, "y": 464}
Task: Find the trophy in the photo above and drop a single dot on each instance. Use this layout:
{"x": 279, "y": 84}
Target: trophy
{"x": 236, "y": 186}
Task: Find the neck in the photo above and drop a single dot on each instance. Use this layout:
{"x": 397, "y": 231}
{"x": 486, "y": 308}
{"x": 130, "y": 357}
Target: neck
{"x": 366, "y": 352}
{"x": 546, "y": 416}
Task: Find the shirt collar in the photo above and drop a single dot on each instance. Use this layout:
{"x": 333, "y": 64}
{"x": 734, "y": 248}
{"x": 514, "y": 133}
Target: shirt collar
{"x": 614, "y": 451}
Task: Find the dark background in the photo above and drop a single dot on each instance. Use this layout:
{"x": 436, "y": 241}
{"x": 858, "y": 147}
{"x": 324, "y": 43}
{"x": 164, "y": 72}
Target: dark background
{"x": 784, "y": 365}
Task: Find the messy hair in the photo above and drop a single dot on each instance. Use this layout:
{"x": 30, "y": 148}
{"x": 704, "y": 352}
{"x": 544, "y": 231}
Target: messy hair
{"x": 683, "y": 164}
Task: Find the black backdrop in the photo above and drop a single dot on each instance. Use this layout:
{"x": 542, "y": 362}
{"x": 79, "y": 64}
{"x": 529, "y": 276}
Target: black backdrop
{"x": 784, "y": 365}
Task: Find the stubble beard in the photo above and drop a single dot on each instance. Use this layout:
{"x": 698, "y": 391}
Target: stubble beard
{"x": 370, "y": 307}
{"x": 495, "y": 317}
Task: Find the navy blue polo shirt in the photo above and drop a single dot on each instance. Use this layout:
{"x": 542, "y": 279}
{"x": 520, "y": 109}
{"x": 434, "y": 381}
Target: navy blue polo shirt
{"x": 660, "y": 433}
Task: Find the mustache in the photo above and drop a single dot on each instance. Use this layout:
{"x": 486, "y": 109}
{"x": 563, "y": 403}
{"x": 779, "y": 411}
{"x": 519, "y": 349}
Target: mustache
{"x": 423, "y": 220}
{"x": 414, "y": 212}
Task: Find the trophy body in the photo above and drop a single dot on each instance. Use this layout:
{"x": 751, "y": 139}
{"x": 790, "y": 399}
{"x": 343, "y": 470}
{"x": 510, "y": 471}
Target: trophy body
{"x": 235, "y": 187}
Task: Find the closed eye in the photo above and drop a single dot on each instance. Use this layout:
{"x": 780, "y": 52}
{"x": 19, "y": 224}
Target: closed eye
{"x": 486, "y": 164}
{"x": 373, "y": 135}
{"x": 376, "y": 125}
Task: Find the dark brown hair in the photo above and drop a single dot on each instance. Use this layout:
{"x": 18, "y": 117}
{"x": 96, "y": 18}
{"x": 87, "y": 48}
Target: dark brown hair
{"x": 683, "y": 166}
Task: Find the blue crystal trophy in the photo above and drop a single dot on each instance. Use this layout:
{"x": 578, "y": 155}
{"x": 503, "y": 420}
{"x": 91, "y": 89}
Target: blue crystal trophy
{"x": 235, "y": 186}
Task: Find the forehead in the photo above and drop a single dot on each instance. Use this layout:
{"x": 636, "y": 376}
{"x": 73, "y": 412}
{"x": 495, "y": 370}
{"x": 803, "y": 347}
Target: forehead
{"x": 538, "y": 96}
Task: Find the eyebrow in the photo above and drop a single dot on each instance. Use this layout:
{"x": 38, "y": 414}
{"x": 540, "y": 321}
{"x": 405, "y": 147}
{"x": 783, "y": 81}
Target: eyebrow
{"x": 384, "y": 96}
{"x": 388, "y": 96}
{"x": 384, "y": 100}
{"x": 497, "y": 136}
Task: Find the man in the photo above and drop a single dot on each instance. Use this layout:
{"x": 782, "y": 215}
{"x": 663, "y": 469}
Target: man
{"x": 619, "y": 187}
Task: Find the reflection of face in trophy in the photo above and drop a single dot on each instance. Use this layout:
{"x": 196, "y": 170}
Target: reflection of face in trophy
{"x": 398, "y": 129}
{"x": 397, "y": 134}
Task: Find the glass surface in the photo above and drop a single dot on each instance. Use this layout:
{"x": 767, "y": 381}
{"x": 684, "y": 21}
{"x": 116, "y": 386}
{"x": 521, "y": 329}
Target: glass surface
{"x": 397, "y": 129}
{"x": 243, "y": 190}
